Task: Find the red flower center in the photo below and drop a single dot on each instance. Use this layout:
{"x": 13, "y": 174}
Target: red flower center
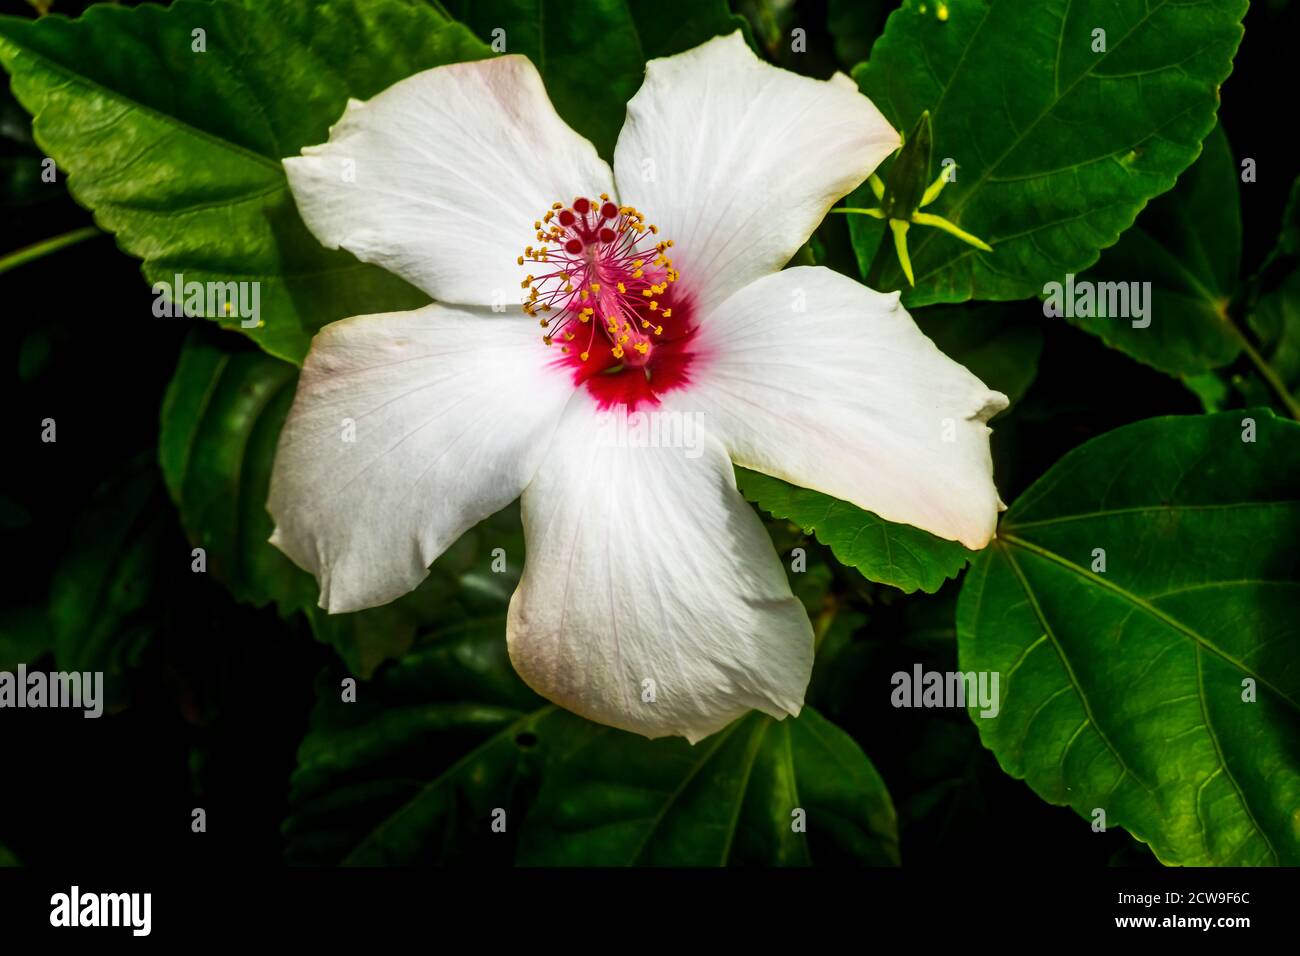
{"x": 607, "y": 294}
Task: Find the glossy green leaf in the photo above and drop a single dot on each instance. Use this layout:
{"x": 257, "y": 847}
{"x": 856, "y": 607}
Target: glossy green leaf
{"x": 482, "y": 566}
{"x": 1288, "y": 239}
{"x": 413, "y": 770}
{"x": 885, "y": 552}
{"x": 221, "y": 422}
{"x": 1187, "y": 244}
{"x": 592, "y": 56}
{"x": 1057, "y": 146}
{"x": 1276, "y": 320}
{"x": 760, "y": 792}
{"x": 1162, "y": 690}
{"x": 178, "y": 152}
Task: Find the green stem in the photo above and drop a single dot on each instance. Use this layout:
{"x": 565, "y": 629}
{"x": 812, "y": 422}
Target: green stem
{"x": 1267, "y": 373}
{"x": 46, "y": 247}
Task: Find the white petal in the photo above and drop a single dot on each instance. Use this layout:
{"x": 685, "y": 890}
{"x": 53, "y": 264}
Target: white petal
{"x": 737, "y": 161}
{"x": 645, "y": 564}
{"x": 816, "y": 379}
{"x": 440, "y": 177}
{"x": 407, "y": 429}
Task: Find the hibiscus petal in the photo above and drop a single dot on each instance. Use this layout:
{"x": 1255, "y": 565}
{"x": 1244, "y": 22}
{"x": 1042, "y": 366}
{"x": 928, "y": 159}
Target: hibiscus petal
{"x": 737, "y": 161}
{"x": 645, "y": 564}
{"x": 440, "y": 177}
{"x": 811, "y": 377}
{"x": 407, "y": 429}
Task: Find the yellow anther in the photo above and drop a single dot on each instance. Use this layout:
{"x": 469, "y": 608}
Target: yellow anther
{"x": 638, "y": 264}
{"x": 537, "y": 224}
{"x": 622, "y": 288}
{"x": 557, "y": 205}
{"x": 584, "y": 356}
{"x": 654, "y": 305}
{"x": 617, "y": 351}
{"x": 583, "y": 295}
{"x": 595, "y": 287}
{"x": 520, "y": 260}
{"x": 645, "y": 292}
{"x": 659, "y": 330}
{"x": 622, "y": 339}
{"x": 668, "y": 313}
{"x": 642, "y": 347}
{"x": 605, "y": 197}
{"x": 547, "y": 339}
{"x": 637, "y": 274}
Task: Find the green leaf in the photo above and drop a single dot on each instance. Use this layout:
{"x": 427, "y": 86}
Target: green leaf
{"x": 989, "y": 340}
{"x": 1288, "y": 239}
{"x": 888, "y": 553}
{"x": 1162, "y": 690}
{"x": 221, "y": 420}
{"x": 413, "y": 770}
{"x": 463, "y": 577}
{"x": 1187, "y": 244}
{"x": 178, "y": 152}
{"x": 1276, "y": 320}
{"x": 592, "y": 53}
{"x": 761, "y": 792}
{"x": 1057, "y": 147}
{"x": 105, "y": 594}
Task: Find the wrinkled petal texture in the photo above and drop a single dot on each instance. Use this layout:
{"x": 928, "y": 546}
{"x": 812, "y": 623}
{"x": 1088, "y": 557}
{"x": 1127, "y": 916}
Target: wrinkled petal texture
{"x": 407, "y": 429}
{"x": 815, "y": 379}
{"x": 738, "y": 161}
{"x": 645, "y": 564}
{"x": 440, "y": 177}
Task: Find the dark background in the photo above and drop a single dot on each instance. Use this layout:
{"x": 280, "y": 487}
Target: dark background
{"x": 219, "y": 702}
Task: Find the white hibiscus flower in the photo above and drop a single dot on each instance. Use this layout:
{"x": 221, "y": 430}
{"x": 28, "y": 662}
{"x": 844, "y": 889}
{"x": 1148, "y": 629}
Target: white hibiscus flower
{"x": 643, "y": 563}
